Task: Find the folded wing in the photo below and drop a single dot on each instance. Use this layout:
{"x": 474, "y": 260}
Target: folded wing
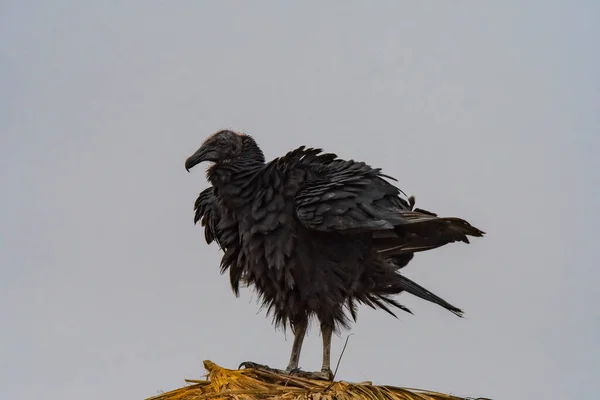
{"x": 350, "y": 197}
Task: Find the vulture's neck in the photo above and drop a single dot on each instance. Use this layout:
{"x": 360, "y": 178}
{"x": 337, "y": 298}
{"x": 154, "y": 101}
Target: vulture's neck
{"x": 233, "y": 179}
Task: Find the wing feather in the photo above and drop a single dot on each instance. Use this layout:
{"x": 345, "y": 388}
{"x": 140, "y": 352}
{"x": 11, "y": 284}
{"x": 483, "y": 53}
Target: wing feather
{"x": 348, "y": 197}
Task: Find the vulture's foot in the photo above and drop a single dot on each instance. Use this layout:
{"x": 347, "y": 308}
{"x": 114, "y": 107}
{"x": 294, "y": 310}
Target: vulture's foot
{"x": 261, "y": 367}
{"x": 326, "y": 375}
{"x": 323, "y": 375}
{"x": 293, "y": 371}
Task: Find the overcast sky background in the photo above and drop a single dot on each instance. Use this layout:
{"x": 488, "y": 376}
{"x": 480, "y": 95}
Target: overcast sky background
{"x": 483, "y": 110}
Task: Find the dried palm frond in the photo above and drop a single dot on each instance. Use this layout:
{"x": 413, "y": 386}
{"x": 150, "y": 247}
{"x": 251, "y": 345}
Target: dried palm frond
{"x": 250, "y": 384}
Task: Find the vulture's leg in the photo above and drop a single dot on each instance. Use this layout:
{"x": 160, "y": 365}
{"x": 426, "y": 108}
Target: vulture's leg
{"x": 299, "y": 329}
{"x": 299, "y": 333}
{"x": 325, "y": 373}
{"x": 326, "y": 332}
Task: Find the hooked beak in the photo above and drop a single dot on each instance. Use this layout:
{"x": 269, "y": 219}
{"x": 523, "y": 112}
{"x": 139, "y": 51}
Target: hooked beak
{"x": 203, "y": 154}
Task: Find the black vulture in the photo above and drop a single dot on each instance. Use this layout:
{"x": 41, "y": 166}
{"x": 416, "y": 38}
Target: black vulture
{"x": 314, "y": 234}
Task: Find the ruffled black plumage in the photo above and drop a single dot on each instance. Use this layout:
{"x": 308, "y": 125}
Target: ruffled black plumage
{"x": 316, "y": 235}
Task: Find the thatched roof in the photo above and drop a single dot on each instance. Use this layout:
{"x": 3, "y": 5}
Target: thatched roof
{"x": 249, "y": 384}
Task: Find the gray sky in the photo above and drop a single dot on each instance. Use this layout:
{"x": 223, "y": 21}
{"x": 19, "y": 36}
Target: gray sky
{"x": 483, "y": 110}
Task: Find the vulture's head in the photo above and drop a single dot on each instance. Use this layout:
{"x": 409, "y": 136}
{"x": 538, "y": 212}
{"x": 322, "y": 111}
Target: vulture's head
{"x": 222, "y": 147}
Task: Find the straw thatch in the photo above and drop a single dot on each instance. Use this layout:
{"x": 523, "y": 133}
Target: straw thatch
{"x": 252, "y": 384}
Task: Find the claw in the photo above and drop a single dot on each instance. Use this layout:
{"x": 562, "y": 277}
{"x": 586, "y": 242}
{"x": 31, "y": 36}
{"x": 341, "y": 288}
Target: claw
{"x": 294, "y": 371}
{"x": 252, "y": 365}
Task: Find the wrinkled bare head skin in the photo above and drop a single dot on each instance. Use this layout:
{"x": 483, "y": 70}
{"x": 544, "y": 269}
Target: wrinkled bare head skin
{"x": 223, "y": 146}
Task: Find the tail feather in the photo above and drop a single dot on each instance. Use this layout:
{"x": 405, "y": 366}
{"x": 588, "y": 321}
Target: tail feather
{"x": 414, "y": 230}
{"x": 404, "y": 284}
{"x": 380, "y": 296}
{"x": 420, "y": 230}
